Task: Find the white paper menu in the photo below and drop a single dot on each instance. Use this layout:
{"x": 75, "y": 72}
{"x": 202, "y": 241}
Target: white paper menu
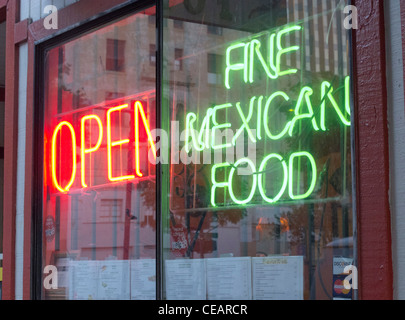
{"x": 278, "y": 278}
{"x": 113, "y": 282}
{"x": 229, "y": 279}
{"x": 185, "y": 279}
{"x": 99, "y": 280}
{"x": 143, "y": 279}
{"x": 83, "y": 280}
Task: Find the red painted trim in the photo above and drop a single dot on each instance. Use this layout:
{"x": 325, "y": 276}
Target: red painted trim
{"x": 21, "y": 31}
{"x": 73, "y": 14}
{"x": 372, "y": 154}
{"x": 10, "y": 152}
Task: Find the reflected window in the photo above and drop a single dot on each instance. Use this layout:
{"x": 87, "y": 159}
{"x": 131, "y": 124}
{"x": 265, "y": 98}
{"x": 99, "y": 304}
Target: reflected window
{"x": 98, "y": 182}
{"x": 115, "y": 60}
{"x": 260, "y": 201}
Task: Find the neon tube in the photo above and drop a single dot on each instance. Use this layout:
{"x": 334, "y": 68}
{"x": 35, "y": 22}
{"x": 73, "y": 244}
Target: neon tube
{"x": 255, "y": 49}
{"x": 85, "y": 151}
{"x": 347, "y": 96}
{"x": 218, "y": 126}
{"x": 111, "y": 144}
{"x": 327, "y": 93}
{"x": 283, "y": 51}
{"x": 245, "y": 121}
{"x": 139, "y": 110}
{"x": 254, "y": 185}
{"x": 54, "y": 137}
{"x": 291, "y": 178}
{"x": 267, "y": 118}
{"x": 306, "y": 93}
{"x": 259, "y": 118}
{"x": 235, "y": 67}
{"x": 214, "y": 182}
{"x": 262, "y": 181}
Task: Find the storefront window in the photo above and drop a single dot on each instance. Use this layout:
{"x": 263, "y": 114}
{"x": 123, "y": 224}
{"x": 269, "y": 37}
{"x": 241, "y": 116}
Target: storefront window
{"x": 258, "y": 105}
{"x": 2, "y": 129}
{"x": 99, "y": 221}
{"x": 254, "y": 154}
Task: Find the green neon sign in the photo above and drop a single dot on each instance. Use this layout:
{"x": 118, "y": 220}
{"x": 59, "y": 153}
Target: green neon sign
{"x": 247, "y": 52}
{"x": 283, "y": 51}
{"x": 202, "y": 140}
{"x": 310, "y": 109}
{"x": 327, "y": 94}
{"x": 267, "y": 118}
{"x": 291, "y": 176}
{"x": 215, "y": 183}
{"x": 245, "y": 121}
{"x": 259, "y": 178}
{"x": 219, "y": 126}
{"x": 241, "y": 66}
{"x": 305, "y": 95}
{"x": 254, "y": 183}
{"x": 262, "y": 178}
{"x": 271, "y": 69}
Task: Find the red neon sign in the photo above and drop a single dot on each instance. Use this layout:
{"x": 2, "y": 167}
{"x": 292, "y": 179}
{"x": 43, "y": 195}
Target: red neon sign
{"x": 83, "y": 145}
{"x": 55, "y": 135}
{"x": 111, "y": 144}
{"x": 64, "y": 159}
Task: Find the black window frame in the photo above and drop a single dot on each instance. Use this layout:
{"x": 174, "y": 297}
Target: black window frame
{"x": 41, "y": 48}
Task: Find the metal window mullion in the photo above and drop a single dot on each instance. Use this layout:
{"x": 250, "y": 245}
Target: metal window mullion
{"x": 159, "y": 167}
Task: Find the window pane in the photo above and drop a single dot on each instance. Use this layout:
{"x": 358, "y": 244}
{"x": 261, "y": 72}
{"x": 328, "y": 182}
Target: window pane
{"x": 2, "y": 126}
{"x": 260, "y": 191}
{"x": 99, "y": 185}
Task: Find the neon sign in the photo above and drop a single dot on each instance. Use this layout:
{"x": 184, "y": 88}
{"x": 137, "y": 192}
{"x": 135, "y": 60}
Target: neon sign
{"x": 314, "y": 107}
{"x": 259, "y": 176}
{"x": 250, "y": 50}
{"x": 111, "y": 144}
{"x": 85, "y": 151}
{"x": 310, "y": 108}
{"x": 66, "y": 151}
{"x": 303, "y": 111}
{"x": 57, "y": 130}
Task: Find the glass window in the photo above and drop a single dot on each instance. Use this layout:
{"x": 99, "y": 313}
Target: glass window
{"x": 99, "y": 188}
{"x": 2, "y": 128}
{"x": 115, "y": 58}
{"x": 260, "y": 198}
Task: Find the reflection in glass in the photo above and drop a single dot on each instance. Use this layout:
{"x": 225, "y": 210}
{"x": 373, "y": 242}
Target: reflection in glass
{"x": 263, "y": 169}
{"x": 99, "y": 187}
